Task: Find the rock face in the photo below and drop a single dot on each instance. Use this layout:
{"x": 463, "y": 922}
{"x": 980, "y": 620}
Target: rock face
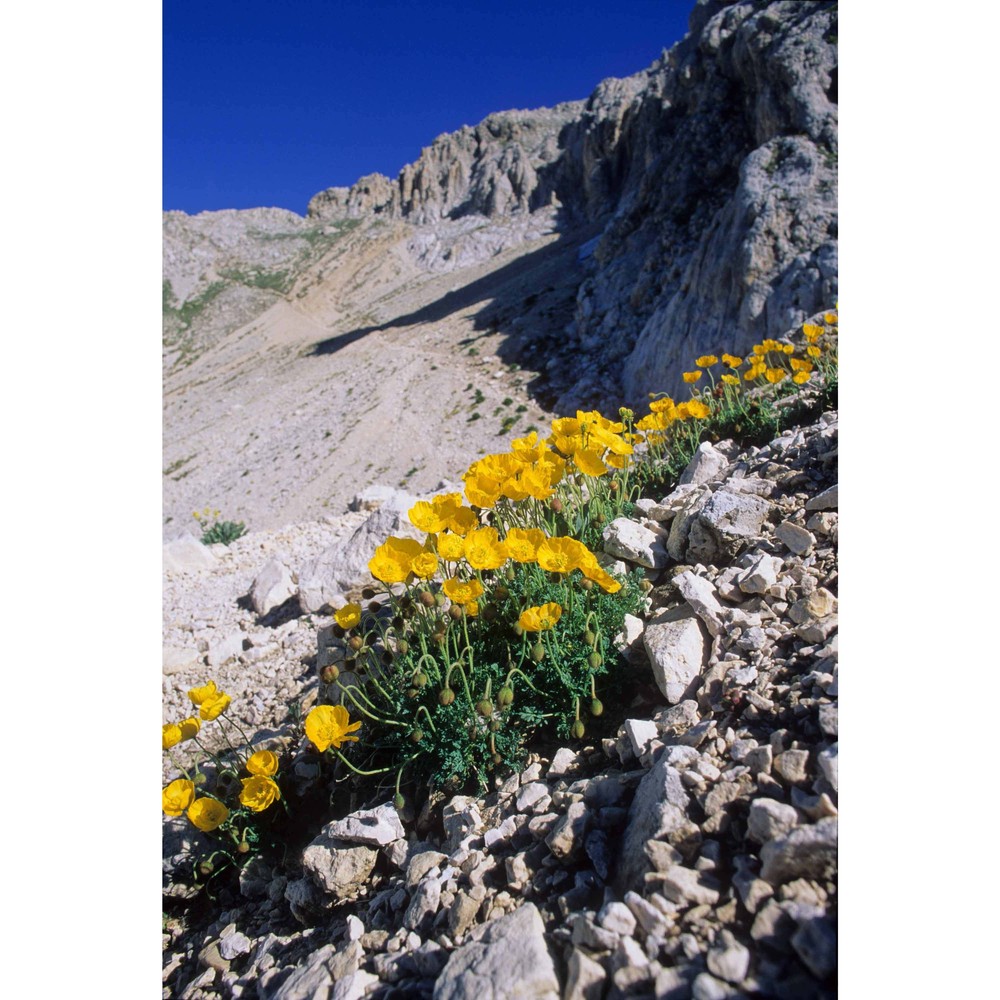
{"x": 710, "y": 177}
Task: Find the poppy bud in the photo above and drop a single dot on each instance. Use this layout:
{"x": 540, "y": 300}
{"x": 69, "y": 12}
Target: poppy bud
{"x": 412, "y": 694}
{"x": 243, "y": 847}
{"x": 599, "y": 518}
{"x": 509, "y": 574}
{"x": 589, "y": 638}
{"x": 494, "y": 726}
{"x": 496, "y": 758}
{"x": 596, "y": 708}
{"x": 556, "y": 504}
{"x": 501, "y": 593}
{"x": 200, "y": 779}
{"x": 417, "y": 735}
{"x": 587, "y": 584}
{"x": 356, "y": 642}
{"x": 577, "y": 730}
{"x": 329, "y": 673}
{"x": 338, "y": 632}
{"x": 645, "y": 586}
{"x": 447, "y": 696}
{"x": 375, "y": 606}
{"x": 402, "y": 647}
{"x": 398, "y": 801}
{"x": 368, "y": 593}
{"x": 455, "y": 613}
{"x": 386, "y": 656}
{"x": 538, "y": 652}
{"x": 518, "y": 629}
{"x": 206, "y": 868}
{"x": 505, "y": 695}
{"x": 427, "y": 599}
{"x": 595, "y": 660}
{"x": 420, "y": 679}
{"x": 485, "y": 708}
{"x": 439, "y": 599}
{"x": 397, "y": 622}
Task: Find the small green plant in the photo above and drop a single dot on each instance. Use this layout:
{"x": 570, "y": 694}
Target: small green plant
{"x": 213, "y": 530}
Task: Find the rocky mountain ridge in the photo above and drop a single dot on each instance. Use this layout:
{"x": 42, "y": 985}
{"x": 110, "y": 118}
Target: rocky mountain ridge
{"x": 693, "y": 203}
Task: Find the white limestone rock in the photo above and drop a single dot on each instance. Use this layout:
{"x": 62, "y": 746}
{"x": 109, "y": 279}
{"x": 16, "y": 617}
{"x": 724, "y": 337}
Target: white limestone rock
{"x": 677, "y": 648}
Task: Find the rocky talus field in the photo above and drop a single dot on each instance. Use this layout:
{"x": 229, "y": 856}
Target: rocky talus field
{"x": 323, "y": 373}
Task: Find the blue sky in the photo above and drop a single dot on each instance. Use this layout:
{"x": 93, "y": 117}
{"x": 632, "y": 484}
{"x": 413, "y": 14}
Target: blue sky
{"x": 266, "y": 103}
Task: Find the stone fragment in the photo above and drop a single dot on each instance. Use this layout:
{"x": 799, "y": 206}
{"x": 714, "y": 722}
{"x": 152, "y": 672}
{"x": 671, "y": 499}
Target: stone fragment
{"x": 795, "y": 538}
{"x": 641, "y": 733}
{"x": 177, "y": 659}
{"x": 187, "y": 555}
{"x": 707, "y": 987}
{"x": 617, "y": 917}
{"x": 677, "y": 648}
{"x": 627, "y": 539}
{"x": 344, "y": 565}
{"x": 584, "y": 978}
{"x": 760, "y": 760}
{"x": 424, "y": 904}
{"x": 662, "y": 856}
{"x": 628, "y": 642}
{"x": 511, "y": 957}
{"x": 272, "y": 586}
{"x": 564, "y": 761}
{"x": 460, "y": 818}
{"x": 234, "y": 944}
{"x": 806, "y": 852}
{"x": 761, "y": 574}
{"x": 725, "y": 522}
{"x": 336, "y": 866}
{"x": 312, "y": 978}
{"x": 700, "y": 595}
{"x": 815, "y": 942}
{"x": 224, "y": 647}
{"x": 827, "y": 761}
{"x": 463, "y": 910}
{"x": 708, "y": 465}
{"x": 374, "y": 827}
{"x": 530, "y": 794}
{"x": 420, "y": 864}
{"x": 684, "y": 885}
{"x": 658, "y": 811}
{"x": 355, "y": 929}
{"x": 589, "y": 935}
{"x": 567, "y": 836}
{"x": 769, "y": 819}
{"x": 828, "y": 719}
{"x": 827, "y": 500}
{"x": 728, "y": 959}
{"x": 793, "y": 766}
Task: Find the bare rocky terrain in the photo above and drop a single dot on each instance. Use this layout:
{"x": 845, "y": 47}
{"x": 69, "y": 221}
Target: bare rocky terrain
{"x": 322, "y": 371}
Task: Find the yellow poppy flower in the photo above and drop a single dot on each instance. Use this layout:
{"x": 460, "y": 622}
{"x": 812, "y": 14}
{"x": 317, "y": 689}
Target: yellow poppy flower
{"x": 772, "y": 345}
{"x": 731, "y": 361}
{"x": 603, "y": 579}
{"x": 561, "y": 555}
{"x": 753, "y": 373}
{"x": 424, "y": 565}
{"x": 730, "y": 379}
{"x": 799, "y": 378}
{"x": 213, "y": 707}
{"x": 198, "y": 695}
{"x": 775, "y": 375}
{"x": 484, "y": 550}
{"x": 830, "y": 318}
{"x": 759, "y": 350}
{"x": 811, "y": 332}
{"x": 471, "y": 609}
{"x": 522, "y": 543}
{"x": 177, "y": 796}
{"x": 813, "y": 352}
{"x": 263, "y": 762}
{"x": 588, "y": 461}
{"x": 391, "y": 561}
{"x": 259, "y": 792}
{"x": 190, "y": 728}
{"x": 537, "y": 481}
{"x": 348, "y": 616}
{"x": 171, "y": 735}
{"x": 425, "y": 517}
{"x": 706, "y": 361}
{"x": 450, "y": 546}
{"x": 462, "y": 591}
{"x": 482, "y": 490}
{"x": 695, "y": 408}
{"x": 540, "y": 618}
{"x": 691, "y": 377}
{"x": 207, "y": 814}
{"x": 662, "y": 405}
{"x": 330, "y": 726}
{"x": 463, "y": 520}
{"x": 616, "y": 461}
{"x": 797, "y": 365}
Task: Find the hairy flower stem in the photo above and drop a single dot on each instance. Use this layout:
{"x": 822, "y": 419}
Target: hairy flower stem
{"x": 350, "y": 689}
{"x": 430, "y": 721}
{"x": 356, "y": 770}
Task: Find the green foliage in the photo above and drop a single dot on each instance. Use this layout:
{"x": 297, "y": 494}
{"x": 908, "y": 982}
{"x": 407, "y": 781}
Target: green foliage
{"x": 214, "y": 530}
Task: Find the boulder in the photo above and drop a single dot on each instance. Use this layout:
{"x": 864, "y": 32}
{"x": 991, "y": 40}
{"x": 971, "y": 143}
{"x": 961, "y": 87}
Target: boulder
{"x": 676, "y": 645}
{"x": 187, "y": 555}
{"x": 272, "y": 586}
